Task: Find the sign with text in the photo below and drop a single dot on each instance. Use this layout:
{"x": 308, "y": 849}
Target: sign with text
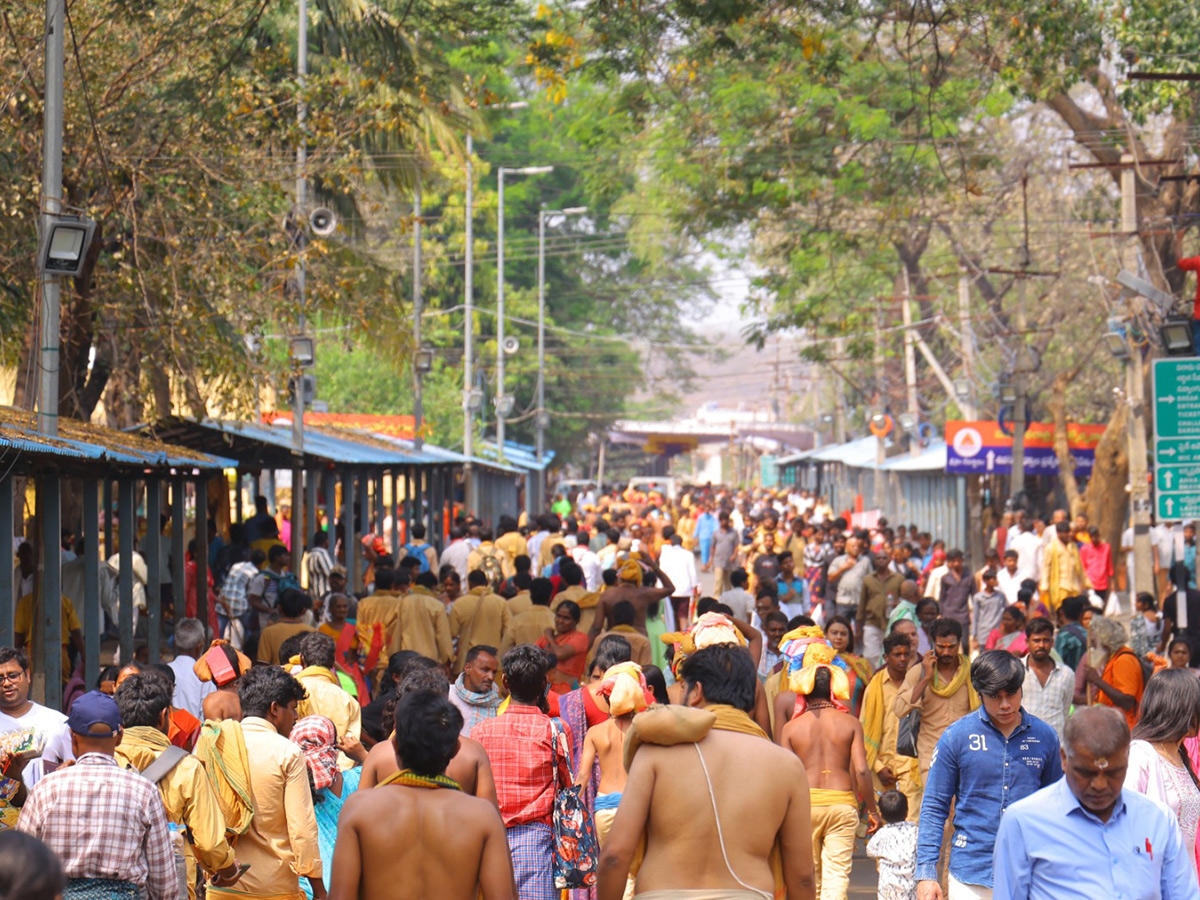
{"x": 393, "y": 426}
{"x": 1177, "y": 437}
{"x": 982, "y": 448}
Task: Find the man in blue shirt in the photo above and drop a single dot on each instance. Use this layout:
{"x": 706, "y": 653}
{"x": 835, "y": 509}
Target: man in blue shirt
{"x": 984, "y": 762}
{"x": 1083, "y": 837}
{"x": 706, "y": 529}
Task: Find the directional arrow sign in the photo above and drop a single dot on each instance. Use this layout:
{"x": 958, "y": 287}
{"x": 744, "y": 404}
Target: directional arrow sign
{"x": 1178, "y": 478}
{"x": 1177, "y": 437}
{"x": 1173, "y": 507}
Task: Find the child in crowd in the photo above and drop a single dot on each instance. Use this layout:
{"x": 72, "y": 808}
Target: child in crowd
{"x": 895, "y": 847}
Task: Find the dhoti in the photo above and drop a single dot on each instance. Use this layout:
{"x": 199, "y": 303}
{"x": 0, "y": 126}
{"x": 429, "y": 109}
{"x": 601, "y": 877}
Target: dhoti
{"x": 834, "y": 824}
{"x": 605, "y": 811}
{"x": 711, "y": 894}
{"x": 214, "y": 893}
{"x": 532, "y": 849}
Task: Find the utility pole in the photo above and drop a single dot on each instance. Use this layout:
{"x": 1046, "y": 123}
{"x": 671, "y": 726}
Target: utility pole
{"x": 1020, "y": 382}
{"x": 302, "y": 231}
{"x": 967, "y": 402}
{"x": 1135, "y": 389}
{"x": 418, "y": 312}
{"x": 52, "y": 154}
{"x": 910, "y": 366}
{"x": 839, "y": 395}
{"x": 881, "y": 401}
{"x": 469, "y": 330}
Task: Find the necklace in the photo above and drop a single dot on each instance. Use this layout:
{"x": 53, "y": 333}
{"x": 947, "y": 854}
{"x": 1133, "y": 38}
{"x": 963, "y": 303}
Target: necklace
{"x": 821, "y": 704}
{"x": 410, "y": 778}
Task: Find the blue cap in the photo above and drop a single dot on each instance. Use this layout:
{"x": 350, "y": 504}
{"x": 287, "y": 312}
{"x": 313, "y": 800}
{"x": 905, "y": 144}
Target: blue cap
{"x": 94, "y": 708}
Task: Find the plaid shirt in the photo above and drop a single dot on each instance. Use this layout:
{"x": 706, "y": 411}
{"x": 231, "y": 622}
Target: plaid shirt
{"x": 104, "y": 822}
{"x": 520, "y": 750}
{"x": 234, "y": 588}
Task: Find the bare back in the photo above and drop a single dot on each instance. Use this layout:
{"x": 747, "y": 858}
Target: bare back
{"x": 222, "y": 704}
{"x": 605, "y": 743}
{"x": 640, "y": 597}
{"x": 824, "y": 741}
{"x": 409, "y": 843}
{"x": 761, "y": 795}
{"x": 470, "y": 768}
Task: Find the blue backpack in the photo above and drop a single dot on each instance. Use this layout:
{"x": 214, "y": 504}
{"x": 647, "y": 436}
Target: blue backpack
{"x": 417, "y": 551}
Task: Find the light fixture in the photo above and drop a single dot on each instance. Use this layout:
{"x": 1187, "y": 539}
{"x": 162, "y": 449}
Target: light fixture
{"x": 303, "y": 352}
{"x": 473, "y": 400}
{"x": 962, "y": 388}
{"x": 65, "y": 245}
{"x": 424, "y": 359}
{"x": 504, "y": 405}
{"x": 542, "y": 419}
{"x": 1006, "y": 391}
{"x": 1176, "y": 332}
{"x": 1117, "y": 346}
{"x": 907, "y": 421}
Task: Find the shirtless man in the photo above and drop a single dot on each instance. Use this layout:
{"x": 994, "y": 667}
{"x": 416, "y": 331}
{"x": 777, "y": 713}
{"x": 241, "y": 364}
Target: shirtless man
{"x": 469, "y": 766}
{"x": 629, "y": 587}
{"x": 829, "y": 742}
{"x": 402, "y": 841}
{"x": 759, "y": 798}
{"x": 223, "y": 703}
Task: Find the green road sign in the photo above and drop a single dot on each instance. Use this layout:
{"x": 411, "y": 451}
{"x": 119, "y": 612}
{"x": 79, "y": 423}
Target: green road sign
{"x": 1177, "y": 438}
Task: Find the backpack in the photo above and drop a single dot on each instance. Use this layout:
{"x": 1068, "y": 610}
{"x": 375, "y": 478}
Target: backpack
{"x": 489, "y": 565}
{"x": 417, "y": 551}
{"x": 154, "y": 773}
{"x": 286, "y": 581}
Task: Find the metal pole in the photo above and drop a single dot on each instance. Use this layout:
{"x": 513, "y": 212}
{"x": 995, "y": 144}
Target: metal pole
{"x": 7, "y": 601}
{"x": 178, "y": 560}
{"x": 500, "y": 318}
{"x": 52, "y": 151}
{"x": 106, "y": 499}
{"x": 51, "y": 587}
{"x": 202, "y": 551}
{"x": 418, "y": 311}
{"x": 1020, "y": 411}
{"x": 967, "y": 404}
{"x": 301, "y": 225}
{"x": 910, "y": 367}
{"x": 539, "y": 421}
{"x": 93, "y": 617}
{"x": 126, "y": 530}
{"x": 469, "y": 327}
{"x": 881, "y": 400}
{"x": 310, "y": 505}
{"x": 153, "y": 555}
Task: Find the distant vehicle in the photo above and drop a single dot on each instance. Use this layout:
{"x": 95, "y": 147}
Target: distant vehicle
{"x": 568, "y": 486}
{"x": 668, "y": 487}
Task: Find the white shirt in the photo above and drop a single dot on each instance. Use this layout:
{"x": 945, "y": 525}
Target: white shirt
{"x": 456, "y": 555}
{"x": 679, "y": 565}
{"x": 1009, "y": 584}
{"x": 593, "y": 572}
{"x": 1052, "y": 702}
{"x": 190, "y": 691}
{"x": 50, "y": 726}
{"x": 1029, "y": 554}
{"x": 741, "y": 601}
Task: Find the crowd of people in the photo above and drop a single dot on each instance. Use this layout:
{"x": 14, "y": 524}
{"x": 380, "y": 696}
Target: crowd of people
{"x": 557, "y": 706}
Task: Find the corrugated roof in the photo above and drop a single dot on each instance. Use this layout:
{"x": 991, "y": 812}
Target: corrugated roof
{"x": 434, "y": 453}
{"x": 520, "y": 455}
{"x": 859, "y": 452}
{"x": 932, "y": 459}
{"x": 84, "y": 441}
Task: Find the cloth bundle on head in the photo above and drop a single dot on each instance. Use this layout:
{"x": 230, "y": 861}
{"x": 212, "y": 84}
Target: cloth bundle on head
{"x": 316, "y": 736}
{"x": 805, "y": 650}
{"x": 708, "y": 630}
{"x": 215, "y": 665}
{"x": 624, "y": 686}
{"x": 630, "y": 571}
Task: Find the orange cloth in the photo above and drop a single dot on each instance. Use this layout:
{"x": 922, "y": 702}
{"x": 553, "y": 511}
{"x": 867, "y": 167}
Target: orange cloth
{"x": 184, "y": 728}
{"x": 570, "y": 669}
{"x": 1124, "y": 672}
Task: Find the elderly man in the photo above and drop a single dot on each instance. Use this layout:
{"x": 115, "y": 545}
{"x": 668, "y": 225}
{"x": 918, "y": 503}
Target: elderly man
{"x": 1113, "y": 670}
{"x": 1084, "y": 837}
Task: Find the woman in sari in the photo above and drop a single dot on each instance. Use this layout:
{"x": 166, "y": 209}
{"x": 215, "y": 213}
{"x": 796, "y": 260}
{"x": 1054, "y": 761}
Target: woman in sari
{"x": 838, "y": 633}
{"x": 1010, "y": 635}
{"x": 345, "y": 637}
{"x": 568, "y": 644}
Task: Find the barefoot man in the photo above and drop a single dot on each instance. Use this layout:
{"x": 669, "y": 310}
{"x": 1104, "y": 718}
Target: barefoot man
{"x": 416, "y": 835}
{"x": 624, "y": 687}
{"x": 829, "y": 741}
{"x": 723, "y": 810}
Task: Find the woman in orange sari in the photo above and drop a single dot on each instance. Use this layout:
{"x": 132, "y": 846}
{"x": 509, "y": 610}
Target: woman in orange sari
{"x": 568, "y": 644}
{"x": 345, "y": 636}
{"x": 838, "y": 633}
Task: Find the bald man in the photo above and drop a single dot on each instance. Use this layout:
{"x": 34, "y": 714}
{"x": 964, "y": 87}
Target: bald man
{"x": 1085, "y": 836}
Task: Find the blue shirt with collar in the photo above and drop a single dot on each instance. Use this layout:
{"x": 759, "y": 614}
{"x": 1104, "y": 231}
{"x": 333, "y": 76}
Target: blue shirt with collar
{"x": 984, "y": 773}
{"x": 1050, "y": 848}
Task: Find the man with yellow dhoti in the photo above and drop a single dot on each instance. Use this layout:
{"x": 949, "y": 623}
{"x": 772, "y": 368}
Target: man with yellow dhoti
{"x": 829, "y": 741}
{"x": 881, "y": 726}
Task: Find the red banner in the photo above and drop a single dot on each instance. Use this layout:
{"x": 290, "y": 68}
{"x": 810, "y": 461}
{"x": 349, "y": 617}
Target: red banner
{"x": 393, "y": 426}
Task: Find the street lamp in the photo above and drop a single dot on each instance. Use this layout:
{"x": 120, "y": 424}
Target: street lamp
{"x": 1176, "y": 334}
{"x": 541, "y": 421}
{"x": 500, "y": 398}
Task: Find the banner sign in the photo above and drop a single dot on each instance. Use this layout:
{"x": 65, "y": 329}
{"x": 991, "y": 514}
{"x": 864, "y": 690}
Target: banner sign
{"x": 980, "y": 448}
{"x": 392, "y": 426}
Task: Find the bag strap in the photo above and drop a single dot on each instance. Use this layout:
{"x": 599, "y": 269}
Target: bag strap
{"x": 558, "y": 735}
{"x": 161, "y": 767}
{"x": 720, "y": 835}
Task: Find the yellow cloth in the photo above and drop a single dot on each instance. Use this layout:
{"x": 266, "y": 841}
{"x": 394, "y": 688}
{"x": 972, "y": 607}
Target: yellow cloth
{"x": 273, "y": 636}
{"x": 624, "y": 686}
{"x": 639, "y": 645}
{"x": 326, "y": 698}
{"x": 828, "y": 797}
{"x": 281, "y": 844}
{"x": 186, "y": 794}
{"x": 221, "y": 749}
{"x": 513, "y": 545}
{"x": 475, "y": 558}
{"x": 545, "y": 556}
{"x": 707, "y": 631}
{"x": 528, "y": 627}
{"x": 424, "y": 626}
{"x": 833, "y": 832}
{"x": 478, "y": 617}
{"x": 519, "y": 602}
{"x": 880, "y": 729}
{"x": 1062, "y": 573}
{"x": 630, "y": 571}
{"x": 940, "y": 708}
{"x": 214, "y": 893}
{"x": 29, "y": 627}
{"x": 382, "y": 608}
{"x": 963, "y": 675}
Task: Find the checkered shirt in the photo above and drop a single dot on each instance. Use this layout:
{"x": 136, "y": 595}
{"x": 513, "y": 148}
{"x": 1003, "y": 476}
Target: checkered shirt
{"x": 520, "y": 749}
{"x": 234, "y": 588}
{"x": 104, "y": 822}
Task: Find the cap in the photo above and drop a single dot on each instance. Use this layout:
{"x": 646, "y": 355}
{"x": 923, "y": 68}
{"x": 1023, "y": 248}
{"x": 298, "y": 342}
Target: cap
{"x": 94, "y": 708}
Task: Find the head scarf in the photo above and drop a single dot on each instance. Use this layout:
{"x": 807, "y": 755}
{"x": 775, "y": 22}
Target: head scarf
{"x": 316, "y": 737}
{"x": 805, "y": 650}
{"x": 204, "y": 672}
{"x": 708, "y": 630}
{"x": 624, "y": 686}
{"x": 630, "y": 571}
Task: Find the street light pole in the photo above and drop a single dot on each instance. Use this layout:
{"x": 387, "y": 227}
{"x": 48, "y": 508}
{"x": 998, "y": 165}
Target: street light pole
{"x": 301, "y": 238}
{"x": 52, "y": 153}
{"x": 501, "y": 411}
{"x": 469, "y": 332}
{"x": 540, "y": 415}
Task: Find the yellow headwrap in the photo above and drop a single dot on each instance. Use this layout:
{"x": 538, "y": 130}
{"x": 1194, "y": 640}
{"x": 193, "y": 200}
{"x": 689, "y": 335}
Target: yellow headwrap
{"x": 630, "y": 570}
{"x": 625, "y": 687}
{"x": 710, "y": 629}
{"x": 806, "y": 651}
